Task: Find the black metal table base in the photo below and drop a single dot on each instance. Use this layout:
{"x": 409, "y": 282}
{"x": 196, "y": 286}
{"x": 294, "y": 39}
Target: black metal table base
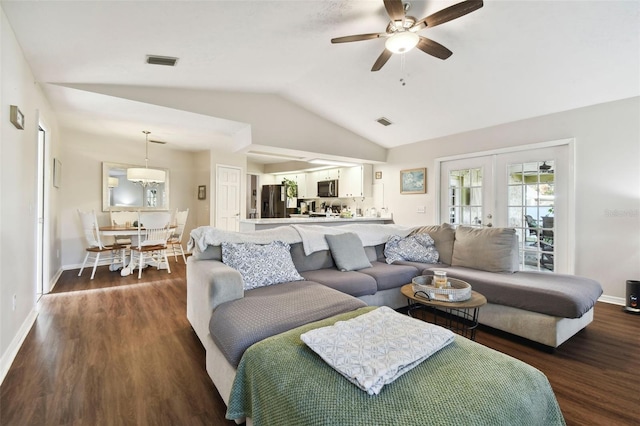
{"x": 463, "y": 321}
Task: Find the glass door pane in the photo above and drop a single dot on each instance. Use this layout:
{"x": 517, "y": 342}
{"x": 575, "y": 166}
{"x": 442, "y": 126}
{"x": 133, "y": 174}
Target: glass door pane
{"x": 468, "y": 201}
{"x": 465, "y": 202}
{"x": 526, "y": 190}
{"x": 530, "y": 209}
{"x": 532, "y": 189}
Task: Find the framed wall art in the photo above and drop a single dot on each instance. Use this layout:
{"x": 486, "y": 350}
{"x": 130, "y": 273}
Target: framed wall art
{"x": 413, "y": 181}
{"x": 16, "y": 117}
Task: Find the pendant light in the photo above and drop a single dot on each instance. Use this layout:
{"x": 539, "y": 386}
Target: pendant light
{"x": 146, "y": 176}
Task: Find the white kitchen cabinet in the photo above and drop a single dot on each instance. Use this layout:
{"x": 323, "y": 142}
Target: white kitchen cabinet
{"x": 329, "y": 174}
{"x": 352, "y": 181}
{"x": 312, "y": 186}
{"x": 356, "y": 181}
{"x": 301, "y": 180}
{"x": 314, "y": 177}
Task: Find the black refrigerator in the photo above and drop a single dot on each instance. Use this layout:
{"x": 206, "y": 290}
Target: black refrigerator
{"x": 274, "y": 201}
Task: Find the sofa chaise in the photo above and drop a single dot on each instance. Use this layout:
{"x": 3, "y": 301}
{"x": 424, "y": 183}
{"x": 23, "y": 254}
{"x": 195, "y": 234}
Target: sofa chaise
{"x": 228, "y": 318}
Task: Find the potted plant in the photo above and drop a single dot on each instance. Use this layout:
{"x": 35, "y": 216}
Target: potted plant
{"x": 291, "y": 187}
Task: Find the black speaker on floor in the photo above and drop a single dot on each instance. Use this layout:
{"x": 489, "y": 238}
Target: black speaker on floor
{"x": 633, "y": 297}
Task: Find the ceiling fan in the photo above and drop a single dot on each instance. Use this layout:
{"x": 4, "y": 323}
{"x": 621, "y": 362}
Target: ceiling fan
{"x": 545, "y": 168}
{"x": 401, "y": 32}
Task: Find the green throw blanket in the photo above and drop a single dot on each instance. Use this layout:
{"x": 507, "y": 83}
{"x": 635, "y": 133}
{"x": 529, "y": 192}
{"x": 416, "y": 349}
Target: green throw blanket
{"x": 280, "y": 381}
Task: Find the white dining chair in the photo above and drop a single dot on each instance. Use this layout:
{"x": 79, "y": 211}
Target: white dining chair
{"x": 95, "y": 247}
{"x": 151, "y": 244}
{"x": 175, "y": 241}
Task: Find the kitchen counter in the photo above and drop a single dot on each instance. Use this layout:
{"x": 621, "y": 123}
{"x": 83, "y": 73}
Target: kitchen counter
{"x": 247, "y": 225}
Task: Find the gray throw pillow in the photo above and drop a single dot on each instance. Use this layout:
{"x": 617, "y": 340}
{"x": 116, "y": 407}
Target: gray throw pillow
{"x": 348, "y": 252}
{"x": 261, "y": 265}
{"x": 486, "y": 249}
{"x": 443, "y": 237}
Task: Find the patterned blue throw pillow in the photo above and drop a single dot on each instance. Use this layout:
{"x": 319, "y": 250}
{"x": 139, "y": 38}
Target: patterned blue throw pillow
{"x": 415, "y": 248}
{"x": 261, "y": 265}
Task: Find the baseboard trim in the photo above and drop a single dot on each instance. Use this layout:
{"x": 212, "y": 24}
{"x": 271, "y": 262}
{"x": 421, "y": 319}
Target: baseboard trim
{"x": 54, "y": 280}
{"x": 15, "y": 345}
{"x": 611, "y": 299}
{"x": 88, "y": 266}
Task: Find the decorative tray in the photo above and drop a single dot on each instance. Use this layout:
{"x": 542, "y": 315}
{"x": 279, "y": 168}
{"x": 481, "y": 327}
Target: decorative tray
{"x": 457, "y": 290}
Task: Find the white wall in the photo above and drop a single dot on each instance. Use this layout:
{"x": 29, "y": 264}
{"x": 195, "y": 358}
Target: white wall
{"x": 607, "y": 222}
{"x": 202, "y": 177}
{"x": 18, "y": 193}
{"x": 274, "y": 120}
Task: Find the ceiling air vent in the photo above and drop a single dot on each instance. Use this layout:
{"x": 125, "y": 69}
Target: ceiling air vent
{"x": 384, "y": 121}
{"x": 162, "y": 60}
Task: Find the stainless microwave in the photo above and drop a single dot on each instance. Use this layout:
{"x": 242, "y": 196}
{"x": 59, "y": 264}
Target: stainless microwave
{"x": 328, "y": 188}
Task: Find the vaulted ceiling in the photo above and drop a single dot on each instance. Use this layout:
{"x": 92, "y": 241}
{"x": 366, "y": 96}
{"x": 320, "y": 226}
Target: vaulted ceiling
{"x": 511, "y": 60}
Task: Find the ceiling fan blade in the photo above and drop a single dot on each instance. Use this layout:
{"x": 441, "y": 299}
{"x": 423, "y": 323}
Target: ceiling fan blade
{"x": 395, "y": 9}
{"x": 450, "y": 13}
{"x": 357, "y": 37}
{"x": 382, "y": 59}
{"x": 433, "y": 48}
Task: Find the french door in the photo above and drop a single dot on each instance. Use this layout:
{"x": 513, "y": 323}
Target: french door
{"x": 528, "y": 190}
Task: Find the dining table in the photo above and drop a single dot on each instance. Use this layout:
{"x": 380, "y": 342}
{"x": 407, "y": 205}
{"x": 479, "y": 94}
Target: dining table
{"x": 126, "y": 231}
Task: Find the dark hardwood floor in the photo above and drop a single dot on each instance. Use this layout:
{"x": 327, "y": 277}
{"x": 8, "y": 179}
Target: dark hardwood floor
{"x": 118, "y": 351}
{"x": 112, "y": 351}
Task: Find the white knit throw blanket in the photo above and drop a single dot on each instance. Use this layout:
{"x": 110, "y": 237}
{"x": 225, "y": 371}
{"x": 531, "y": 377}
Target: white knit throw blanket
{"x": 376, "y": 348}
{"x": 371, "y": 234}
{"x": 311, "y": 236}
{"x": 205, "y": 236}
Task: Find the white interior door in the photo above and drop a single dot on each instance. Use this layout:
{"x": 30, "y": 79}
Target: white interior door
{"x": 528, "y": 190}
{"x": 228, "y": 190}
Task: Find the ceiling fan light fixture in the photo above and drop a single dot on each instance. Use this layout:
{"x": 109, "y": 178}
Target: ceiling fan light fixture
{"x": 402, "y": 42}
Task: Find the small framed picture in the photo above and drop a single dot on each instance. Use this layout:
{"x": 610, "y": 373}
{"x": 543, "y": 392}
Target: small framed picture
{"x": 202, "y": 192}
{"x": 16, "y": 117}
{"x": 413, "y": 181}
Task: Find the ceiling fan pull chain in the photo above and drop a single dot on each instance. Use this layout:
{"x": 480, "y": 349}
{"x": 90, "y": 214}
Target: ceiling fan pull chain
{"x": 403, "y": 69}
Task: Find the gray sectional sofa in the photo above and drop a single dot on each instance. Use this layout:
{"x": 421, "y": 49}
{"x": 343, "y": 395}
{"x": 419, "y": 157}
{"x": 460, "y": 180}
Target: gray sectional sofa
{"x": 340, "y": 276}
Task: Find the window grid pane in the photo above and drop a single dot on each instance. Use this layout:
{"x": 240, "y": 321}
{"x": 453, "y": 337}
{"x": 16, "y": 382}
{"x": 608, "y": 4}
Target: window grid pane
{"x": 465, "y": 196}
{"x": 530, "y": 209}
